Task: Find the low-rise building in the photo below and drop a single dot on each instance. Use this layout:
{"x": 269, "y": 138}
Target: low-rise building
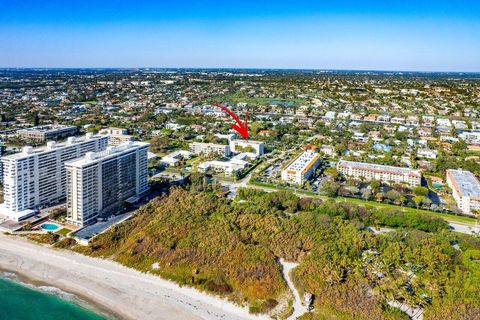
{"x": 465, "y": 190}
{"x": 229, "y": 167}
{"x": 174, "y": 126}
{"x": 47, "y": 132}
{"x": 329, "y": 115}
{"x": 384, "y": 118}
{"x": 386, "y": 174}
{"x": 301, "y": 168}
{"x": 472, "y": 137}
{"x": 427, "y": 153}
{"x": 327, "y": 150}
{"x": 116, "y": 136}
{"x": 172, "y": 159}
{"x": 238, "y": 146}
{"x": 397, "y": 120}
{"x": 209, "y": 148}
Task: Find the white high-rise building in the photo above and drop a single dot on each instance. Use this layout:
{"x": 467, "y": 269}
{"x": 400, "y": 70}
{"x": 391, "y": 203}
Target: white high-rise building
{"x": 100, "y": 184}
{"x": 35, "y": 178}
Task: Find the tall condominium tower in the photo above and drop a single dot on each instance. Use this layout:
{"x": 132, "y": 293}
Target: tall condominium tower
{"x": 100, "y": 184}
{"x": 36, "y": 178}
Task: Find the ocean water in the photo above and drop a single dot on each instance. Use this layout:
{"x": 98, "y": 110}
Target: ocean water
{"x": 22, "y": 302}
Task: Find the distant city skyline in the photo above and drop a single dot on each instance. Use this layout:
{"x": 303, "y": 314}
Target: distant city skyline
{"x": 371, "y": 35}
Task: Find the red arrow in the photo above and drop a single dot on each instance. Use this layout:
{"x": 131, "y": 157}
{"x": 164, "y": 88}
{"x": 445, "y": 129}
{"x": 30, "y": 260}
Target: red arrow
{"x": 240, "y": 127}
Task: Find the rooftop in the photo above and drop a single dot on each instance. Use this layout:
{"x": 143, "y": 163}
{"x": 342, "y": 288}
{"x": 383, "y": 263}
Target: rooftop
{"x": 379, "y": 167}
{"x": 48, "y": 127}
{"x": 111, "y": 152}
{"x": 209, "y": 144}
{"x": 247, "y": 141}
{"x": 466, "y": 182}
{"x": 28, "y": 151}
{"x": 303, "y": 161}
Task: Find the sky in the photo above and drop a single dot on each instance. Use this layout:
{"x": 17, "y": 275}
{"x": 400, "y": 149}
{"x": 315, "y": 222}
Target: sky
{"x": 353, "y": 35}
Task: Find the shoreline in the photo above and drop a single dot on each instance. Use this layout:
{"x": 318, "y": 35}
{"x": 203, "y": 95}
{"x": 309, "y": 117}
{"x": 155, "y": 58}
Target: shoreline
{"x": 78, "y": 298}
{"x": 111, "y": 288}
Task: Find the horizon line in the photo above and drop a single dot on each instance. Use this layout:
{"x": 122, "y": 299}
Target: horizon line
{"x": 234, "y": 68}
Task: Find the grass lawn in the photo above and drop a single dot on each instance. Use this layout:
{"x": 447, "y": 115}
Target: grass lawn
{"x": 194, "y": 161}
{"x": 445, "y": 216}
{"x": 379, "y": 205}
{"x": 172, "y": 169}
{"x": 63, "y": 231}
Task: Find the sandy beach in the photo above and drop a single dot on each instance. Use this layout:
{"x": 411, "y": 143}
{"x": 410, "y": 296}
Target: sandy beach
{"x": 119, "y": 291}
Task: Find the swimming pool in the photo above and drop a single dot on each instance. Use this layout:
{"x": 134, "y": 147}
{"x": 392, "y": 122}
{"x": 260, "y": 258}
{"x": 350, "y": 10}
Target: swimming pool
{"x": 49, "y": 226}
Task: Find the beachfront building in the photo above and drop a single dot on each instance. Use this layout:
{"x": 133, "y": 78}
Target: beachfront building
{"x": 36, "y": 178}
{"x": 386, "y": 174}
{"x": 172, "y": 159}
{"x": 239, "y": 146}
{"x": 47, "y": 132}
{"x": 465, "y": 190}
{"x": 301, "y": 168}
{"x": 116, "y": 136}
{"x": 209, "y": 148}
{"x": 102, "y": 183}
{"x": 2, "y": 151}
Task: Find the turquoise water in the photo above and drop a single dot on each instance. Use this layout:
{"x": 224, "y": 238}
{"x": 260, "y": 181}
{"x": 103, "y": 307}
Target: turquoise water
{"x": 19, "y": 302}
{"x": 49, "y": 226}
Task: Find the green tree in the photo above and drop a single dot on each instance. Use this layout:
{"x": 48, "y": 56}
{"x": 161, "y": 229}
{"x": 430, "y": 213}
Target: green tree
{"x": 420, "y": 191}
{"x": 329, "y": 188}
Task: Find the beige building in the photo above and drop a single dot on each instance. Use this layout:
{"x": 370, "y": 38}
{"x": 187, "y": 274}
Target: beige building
{"x": 465, "y": 190}
{"x": 386, "y": 174}
{"x": 116, "y": 136}
{"x": 209, "y": 148}
{"x": 47, "y": 132}
{"x": 301, "y": 168}
{"x": 239, "y": 146}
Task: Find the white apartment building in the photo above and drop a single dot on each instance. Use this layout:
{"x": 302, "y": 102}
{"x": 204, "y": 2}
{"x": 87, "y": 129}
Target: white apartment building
{"x": 386, "y": 174}
{"x": 117, "y": 136}
{"x": 174, "y": 126}
{"x": 35, "y": 178}
{"x": 472, "y": 137}
{"x": 301, "y": 168}
{"x": 99, "y": 184}
{"x": 397, "y": 120}
{"x": 238, "y": 146}
{"x": 173, "y": 158}
{"x": 208, "y": 148}
{"x": 427, "y": 153}
{"x": 465, "y": 190}
{"x": 229, "y": 167}
{"x": 47, "y": 132}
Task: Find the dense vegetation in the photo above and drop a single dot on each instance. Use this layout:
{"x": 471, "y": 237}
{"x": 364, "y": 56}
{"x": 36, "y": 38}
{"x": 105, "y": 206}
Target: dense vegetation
{"x": 232, "y": 249}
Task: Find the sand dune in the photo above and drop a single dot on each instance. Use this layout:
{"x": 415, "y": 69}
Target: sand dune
{"x": 124, "y": 292}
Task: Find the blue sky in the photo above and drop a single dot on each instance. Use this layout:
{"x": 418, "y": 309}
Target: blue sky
{"x": 374, "y": 35}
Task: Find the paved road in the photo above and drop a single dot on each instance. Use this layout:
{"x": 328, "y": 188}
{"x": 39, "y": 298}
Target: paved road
{"x": 464, "y": 228}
